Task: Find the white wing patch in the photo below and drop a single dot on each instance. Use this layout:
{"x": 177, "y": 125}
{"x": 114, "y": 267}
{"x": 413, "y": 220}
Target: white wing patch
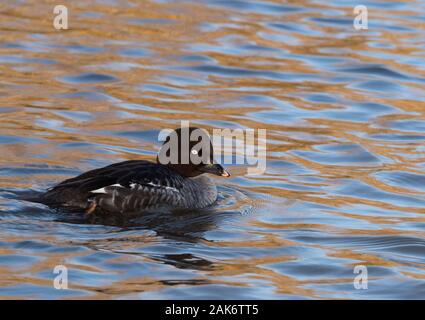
{"x": 133, "y": 186}
{"x": 102, "y": 190}
{"x": 136, "y": 185}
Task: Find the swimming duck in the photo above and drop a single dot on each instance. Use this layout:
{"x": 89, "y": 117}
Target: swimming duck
{"x": 138, "y": 185}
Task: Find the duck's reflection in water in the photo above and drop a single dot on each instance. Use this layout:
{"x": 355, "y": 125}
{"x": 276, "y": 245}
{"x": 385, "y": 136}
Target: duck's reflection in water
{"x": 182, "y": 227}
{"x": 185, "y": 261}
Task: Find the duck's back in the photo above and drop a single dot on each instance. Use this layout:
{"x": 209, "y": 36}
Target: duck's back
{"x": 130, "y": 186}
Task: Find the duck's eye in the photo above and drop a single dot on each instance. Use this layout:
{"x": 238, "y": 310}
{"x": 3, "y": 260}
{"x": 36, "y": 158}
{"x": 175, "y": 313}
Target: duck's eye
{"x": 194, "y": 151}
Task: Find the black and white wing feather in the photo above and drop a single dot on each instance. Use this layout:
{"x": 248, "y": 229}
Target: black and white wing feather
{"x": 125, "y": 186}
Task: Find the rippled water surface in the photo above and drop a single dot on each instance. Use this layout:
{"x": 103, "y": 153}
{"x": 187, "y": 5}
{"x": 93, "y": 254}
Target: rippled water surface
{"x": 345, "y": 117}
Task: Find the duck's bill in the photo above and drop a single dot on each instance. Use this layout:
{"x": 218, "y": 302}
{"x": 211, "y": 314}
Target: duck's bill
{"x": 214, "y": 169}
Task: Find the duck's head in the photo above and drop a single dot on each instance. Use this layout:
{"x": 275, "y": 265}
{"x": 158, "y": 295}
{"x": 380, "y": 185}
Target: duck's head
{"x": 189, "y": 152}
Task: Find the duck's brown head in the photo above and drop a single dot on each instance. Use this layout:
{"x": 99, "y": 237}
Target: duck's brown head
{"x": 189, "y": 152}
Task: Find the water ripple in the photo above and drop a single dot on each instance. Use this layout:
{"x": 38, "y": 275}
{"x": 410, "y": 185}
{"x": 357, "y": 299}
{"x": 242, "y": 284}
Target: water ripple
{"x": 345, "y": 178}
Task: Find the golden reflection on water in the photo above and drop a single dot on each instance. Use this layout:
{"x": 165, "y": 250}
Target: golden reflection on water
{"x": 344, "y": 110}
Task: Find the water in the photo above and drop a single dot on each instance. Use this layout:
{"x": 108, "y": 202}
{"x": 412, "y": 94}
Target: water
{"x": 345, "y": 178}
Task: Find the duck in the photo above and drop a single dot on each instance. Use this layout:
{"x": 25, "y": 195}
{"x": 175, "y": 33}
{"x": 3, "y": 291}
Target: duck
{"x": 135, "y": 186}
